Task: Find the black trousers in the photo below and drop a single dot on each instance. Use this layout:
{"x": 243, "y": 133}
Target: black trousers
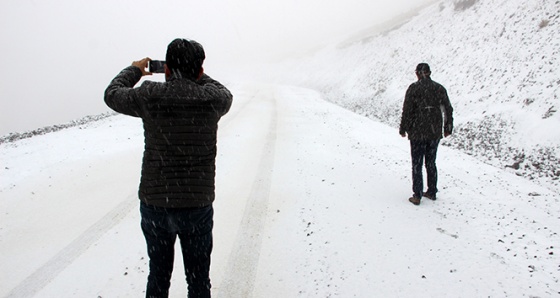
{"x": 424, "y": 152}
{"x": 161, "y": 226}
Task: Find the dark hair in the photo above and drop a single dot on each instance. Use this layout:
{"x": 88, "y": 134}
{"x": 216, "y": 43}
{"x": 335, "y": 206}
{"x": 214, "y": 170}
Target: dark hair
{"x": 423, "y": 68}
{"x": 184, "y": 58}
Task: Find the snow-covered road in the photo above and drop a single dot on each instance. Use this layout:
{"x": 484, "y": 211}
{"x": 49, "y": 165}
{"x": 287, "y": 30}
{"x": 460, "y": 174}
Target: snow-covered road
{"x": 311, "y": 202}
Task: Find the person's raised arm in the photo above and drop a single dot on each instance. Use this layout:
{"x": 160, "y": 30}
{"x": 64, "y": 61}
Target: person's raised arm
{"x": 120, "y": 95}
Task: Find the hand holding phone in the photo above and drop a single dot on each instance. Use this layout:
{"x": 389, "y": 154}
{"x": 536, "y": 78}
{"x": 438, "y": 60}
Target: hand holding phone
{"x": 142, "y": 64}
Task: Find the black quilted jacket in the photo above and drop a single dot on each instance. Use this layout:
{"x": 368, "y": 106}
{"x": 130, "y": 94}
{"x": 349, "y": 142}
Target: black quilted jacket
{"x": 426, "y": 111}
{"x": 180, "y": 120}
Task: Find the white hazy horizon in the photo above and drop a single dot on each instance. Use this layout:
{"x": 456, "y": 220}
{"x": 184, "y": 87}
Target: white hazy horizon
{"x": 59, "y": 56}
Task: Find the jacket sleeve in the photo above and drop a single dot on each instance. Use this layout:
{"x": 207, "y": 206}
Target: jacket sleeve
{"x": 217, "y": 93}
{"x": 447, "y": 110}
{"x": 121, "y": 96}
{"x": 406, "y": 117}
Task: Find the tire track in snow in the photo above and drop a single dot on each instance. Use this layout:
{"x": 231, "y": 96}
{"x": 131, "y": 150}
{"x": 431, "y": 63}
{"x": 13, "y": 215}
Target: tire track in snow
{"x": 232, "y": 114}
{"x": 241, "y": 269}
{"x": 48, "y": 272}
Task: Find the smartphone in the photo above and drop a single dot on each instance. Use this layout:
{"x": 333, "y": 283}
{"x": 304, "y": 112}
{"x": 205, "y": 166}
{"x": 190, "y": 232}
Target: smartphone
{"x": 156, "y": 66}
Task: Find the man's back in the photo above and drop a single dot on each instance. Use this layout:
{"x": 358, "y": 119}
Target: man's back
{"x": 425, "y": 101}
{"x": 180, "y": 120}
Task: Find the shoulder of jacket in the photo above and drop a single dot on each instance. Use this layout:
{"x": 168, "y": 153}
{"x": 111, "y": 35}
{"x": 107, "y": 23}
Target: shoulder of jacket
{"x": 438, "y": 84}
{"x": 154, "y": 85}
{"x": 412, "y": 86}
{"x": 151, "y": 83}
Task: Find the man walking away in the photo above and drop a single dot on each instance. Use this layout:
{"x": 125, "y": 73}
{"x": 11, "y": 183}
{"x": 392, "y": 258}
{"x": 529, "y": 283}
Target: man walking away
{"x": 180, "y": 118}
{"x": 426, "y": 111}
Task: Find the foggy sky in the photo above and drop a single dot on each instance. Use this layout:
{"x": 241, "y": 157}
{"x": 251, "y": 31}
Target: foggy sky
{"x": 58, "y": 56}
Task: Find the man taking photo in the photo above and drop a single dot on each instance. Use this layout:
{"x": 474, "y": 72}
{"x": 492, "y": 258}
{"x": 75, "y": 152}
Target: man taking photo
{"x": 180, "y": 118}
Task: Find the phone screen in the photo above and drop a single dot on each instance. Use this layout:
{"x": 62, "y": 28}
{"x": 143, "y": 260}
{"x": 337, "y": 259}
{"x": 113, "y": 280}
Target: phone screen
{"x": 156, "y": 66}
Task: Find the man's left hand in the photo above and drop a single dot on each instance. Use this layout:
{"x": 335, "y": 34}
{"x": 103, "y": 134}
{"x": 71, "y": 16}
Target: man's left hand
{"x": 143, "y": 65}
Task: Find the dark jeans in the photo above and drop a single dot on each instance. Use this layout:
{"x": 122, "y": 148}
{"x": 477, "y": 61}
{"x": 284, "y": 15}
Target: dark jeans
{"x": 161, "y": 226}
{"x": 421, "y": 150}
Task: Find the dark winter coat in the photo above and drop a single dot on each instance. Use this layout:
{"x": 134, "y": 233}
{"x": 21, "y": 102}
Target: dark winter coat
{"x": 180, "y": 119}
{"x": 424, "y": 104}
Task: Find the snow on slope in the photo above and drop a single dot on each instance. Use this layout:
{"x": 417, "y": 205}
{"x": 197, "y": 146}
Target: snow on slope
{"x": 498, "y": 59}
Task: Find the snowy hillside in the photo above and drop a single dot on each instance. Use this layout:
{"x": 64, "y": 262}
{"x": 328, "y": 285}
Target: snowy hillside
{"x": 499, "y": 60}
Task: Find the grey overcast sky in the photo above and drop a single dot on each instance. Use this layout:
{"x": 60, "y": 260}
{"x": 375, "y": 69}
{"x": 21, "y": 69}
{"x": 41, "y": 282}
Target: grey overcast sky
{"x": 59, "y": 55}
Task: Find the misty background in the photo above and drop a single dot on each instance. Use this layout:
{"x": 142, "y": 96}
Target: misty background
{"x": 58, "y": 56}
